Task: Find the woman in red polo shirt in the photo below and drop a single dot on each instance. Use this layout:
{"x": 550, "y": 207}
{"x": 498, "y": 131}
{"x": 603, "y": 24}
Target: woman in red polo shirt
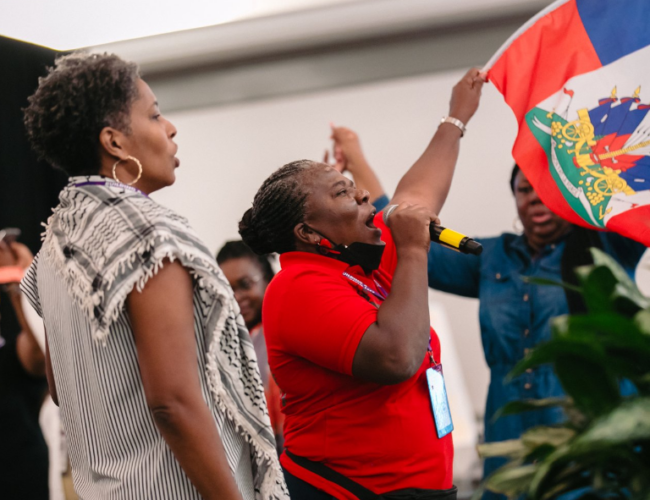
{"x": 347, "y": 324}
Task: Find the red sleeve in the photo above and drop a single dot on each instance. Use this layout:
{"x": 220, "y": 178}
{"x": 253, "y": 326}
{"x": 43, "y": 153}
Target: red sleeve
{"x": 325, "y": 321}
{"x": 389, "y": 259}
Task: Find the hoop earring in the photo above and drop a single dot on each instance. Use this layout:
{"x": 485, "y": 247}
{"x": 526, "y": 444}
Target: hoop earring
{"x": 519, "y": 228}
{"x": 137, "y": 162}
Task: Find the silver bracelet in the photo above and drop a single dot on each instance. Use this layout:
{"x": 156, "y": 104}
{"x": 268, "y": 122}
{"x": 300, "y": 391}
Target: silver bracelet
{"x": 389, "y": 210}
{"x": 454, "y": 121}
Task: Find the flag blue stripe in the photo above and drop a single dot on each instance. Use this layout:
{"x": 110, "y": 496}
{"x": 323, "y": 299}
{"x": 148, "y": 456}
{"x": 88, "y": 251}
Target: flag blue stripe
{"x": 616, "y": 28}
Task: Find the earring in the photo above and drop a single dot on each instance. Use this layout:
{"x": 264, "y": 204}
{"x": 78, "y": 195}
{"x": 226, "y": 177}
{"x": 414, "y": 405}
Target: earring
{"x": 517, "y": 225}
{"x": 137, "y": 162}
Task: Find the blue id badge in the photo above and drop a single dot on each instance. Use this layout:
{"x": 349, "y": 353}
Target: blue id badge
{"x": 439, "y": 402}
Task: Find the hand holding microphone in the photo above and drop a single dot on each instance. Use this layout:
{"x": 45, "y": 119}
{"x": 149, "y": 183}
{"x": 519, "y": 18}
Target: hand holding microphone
{"x": 445, "y": 237}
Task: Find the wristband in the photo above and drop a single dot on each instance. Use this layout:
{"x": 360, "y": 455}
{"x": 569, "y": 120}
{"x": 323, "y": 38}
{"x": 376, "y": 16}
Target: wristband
{"x": 454, "y": 121}
{"x": 11, "y": 274}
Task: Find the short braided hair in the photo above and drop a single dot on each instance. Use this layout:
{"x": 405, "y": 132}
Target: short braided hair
{"x": 81, "y": 94}
{"x": 278, "y": 207}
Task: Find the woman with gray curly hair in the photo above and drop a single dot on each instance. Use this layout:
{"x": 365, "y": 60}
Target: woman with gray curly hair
{"x": 147, "y": 355}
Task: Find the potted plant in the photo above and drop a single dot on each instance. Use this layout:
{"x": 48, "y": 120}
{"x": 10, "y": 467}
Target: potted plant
{"x": 603, "y": 448}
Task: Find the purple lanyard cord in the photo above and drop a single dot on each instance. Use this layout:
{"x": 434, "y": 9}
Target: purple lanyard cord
{"x": 381, "y": 295}
{"x": 111, "y": 184}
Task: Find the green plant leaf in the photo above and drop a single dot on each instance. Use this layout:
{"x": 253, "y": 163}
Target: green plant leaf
{"x": 598, "y": 283}
{"x": 554, "y": 436}
{"x": 626, "y": 347}
{"x": 513, "y": 448}
{"x": 590, "y": 384}
{"x": 642, "y": 321}
{"x": 539, "y": 454}
{"x": 514, "y": 407}
{"x": 625, "y": 287}
{"x": 568, "y": 479}
{"x": 511, "y": 481}
{"x": 549, "y": 352}
{"x": 627, "y": 423}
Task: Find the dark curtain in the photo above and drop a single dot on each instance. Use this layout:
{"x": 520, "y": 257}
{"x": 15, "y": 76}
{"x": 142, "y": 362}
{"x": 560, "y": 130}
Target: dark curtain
{"x": 28, "y": 188}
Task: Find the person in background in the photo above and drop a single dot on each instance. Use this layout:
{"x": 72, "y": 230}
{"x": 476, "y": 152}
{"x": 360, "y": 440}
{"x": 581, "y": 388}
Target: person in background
{"x": 347, "y": 327}
{"x": 146, "y": 353}
{"x": 249, "y": 274}
{"x": 514, "y": 315}
{"x": 23, "y": 453}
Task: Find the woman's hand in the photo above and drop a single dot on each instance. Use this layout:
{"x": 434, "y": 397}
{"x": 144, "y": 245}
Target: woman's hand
{"x": 466, "y": 95}
{"x": 349, "y": 156}
{"x": 347, "y": 150}
{"x": 7, "y": 257}
{"x": 409, "y": 225}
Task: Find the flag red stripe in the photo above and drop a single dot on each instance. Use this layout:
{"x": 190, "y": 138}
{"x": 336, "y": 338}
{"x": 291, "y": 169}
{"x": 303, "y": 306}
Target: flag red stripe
{"x": 633, "y": 223}
{"x": 567, "y": 52}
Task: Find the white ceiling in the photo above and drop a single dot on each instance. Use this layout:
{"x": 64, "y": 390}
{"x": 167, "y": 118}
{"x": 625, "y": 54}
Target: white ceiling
{"x": 336, "y": 21}
{"x": 72, "y": 24}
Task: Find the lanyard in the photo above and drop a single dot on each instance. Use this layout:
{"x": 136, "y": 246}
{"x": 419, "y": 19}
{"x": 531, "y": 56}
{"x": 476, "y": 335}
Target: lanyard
{"x": 381, "y": 295}
{"x": 430, "y": 353}
{"x": 111, "y": 184}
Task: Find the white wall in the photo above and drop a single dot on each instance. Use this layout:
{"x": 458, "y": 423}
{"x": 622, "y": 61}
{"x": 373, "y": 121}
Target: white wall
{"x": 226, "y": 153}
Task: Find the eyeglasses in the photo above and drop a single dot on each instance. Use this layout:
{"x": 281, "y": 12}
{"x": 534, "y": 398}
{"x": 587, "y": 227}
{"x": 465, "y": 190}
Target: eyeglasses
{"x": 246, "y": 283}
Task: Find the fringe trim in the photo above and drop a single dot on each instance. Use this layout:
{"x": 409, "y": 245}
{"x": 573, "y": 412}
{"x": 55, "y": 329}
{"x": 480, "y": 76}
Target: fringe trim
{"x": 263, "y": 453}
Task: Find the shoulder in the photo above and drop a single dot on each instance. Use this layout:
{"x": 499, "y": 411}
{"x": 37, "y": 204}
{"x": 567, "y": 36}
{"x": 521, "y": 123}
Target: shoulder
{"x": 304, "y": 279}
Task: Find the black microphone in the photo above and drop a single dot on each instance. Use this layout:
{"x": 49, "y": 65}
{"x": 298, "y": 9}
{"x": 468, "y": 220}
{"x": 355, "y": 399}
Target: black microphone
{"x": 446, "y": 237}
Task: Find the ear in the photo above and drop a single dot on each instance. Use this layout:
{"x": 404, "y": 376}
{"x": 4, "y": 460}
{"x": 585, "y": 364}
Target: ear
{"x": 113, "y": 142}
{"x": 306, "y": 235}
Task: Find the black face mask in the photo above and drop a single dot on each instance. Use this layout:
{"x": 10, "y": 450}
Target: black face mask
{"x": 356, "y": 254}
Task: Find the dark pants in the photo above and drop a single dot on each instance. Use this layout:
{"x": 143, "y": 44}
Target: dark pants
{"x": 301, "y": 490}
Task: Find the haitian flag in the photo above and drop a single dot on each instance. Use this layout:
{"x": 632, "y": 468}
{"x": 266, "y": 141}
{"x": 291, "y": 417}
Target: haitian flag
{"x": 577, "y": 77}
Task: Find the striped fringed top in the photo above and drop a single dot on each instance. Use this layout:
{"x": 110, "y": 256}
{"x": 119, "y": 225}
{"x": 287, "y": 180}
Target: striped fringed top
{"x": 115, "y": 449}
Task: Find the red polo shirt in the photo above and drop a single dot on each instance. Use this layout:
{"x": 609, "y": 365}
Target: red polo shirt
{"x": 381, "y": 436}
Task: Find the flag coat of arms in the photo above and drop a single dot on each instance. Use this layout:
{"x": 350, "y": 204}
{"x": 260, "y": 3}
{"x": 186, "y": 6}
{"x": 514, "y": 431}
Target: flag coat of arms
{"x": 577, "y": 77}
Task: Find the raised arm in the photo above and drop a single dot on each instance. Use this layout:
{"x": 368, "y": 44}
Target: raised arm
{"x": 392, "y": 349}
{"x": 428, "y": 181}
{"x": 162, "y": 316}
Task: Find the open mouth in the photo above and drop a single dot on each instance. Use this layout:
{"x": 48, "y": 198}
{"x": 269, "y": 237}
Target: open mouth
{"x": 370, "y": 222}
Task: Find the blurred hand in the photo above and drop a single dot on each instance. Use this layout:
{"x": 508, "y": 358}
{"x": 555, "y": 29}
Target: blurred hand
{"x": 23, "y": 255}
{"x": 466, "y": 95}
{"x": 409, "y": 225}
{"x": 7, "y": 257}
{"x": 347, "y": 153}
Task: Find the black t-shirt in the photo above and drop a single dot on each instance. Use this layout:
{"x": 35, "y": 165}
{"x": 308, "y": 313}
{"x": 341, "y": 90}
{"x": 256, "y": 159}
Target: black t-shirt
{"x": 23, "y": 453}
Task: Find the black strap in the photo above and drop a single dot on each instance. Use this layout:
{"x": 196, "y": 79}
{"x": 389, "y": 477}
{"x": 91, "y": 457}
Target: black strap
{"x": 332, "y": 476}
